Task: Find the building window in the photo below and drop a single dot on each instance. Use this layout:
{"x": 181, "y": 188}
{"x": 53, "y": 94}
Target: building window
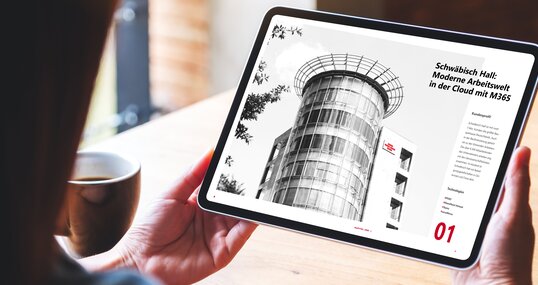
{"x": 337, "y": 206}
{"x": 331, "y": 95}
{"x": 320, "y": 96}
{"x": 339, "y": 146}
{"x": 295, "y": 145}
{"x": 343, "y": 177}
{"x": 334, "y": 144}
{"x": 313, "y": 200}
{"x": 349, "y": 211}
{"x": 309, "y": 169}
{"x": 313, "y": 116}
{"x": 395, "y": 209}
{"x": 325, "y": 115}
{"x": 298, "y": 168}
{"x": 331, "y": 144}
{"x": 328, "y": 144}
{"x": 355, "y": 183}
{"x": 400, "y": 183}
{"x": 267, "y": 173}
{"x": 358, "y": 155}
{"x": 306, "y": 142}
{"x": 389, "y": 226}
{"x": 286, "y": 171}
{"x": 300, "y": 197}
{"x": 338, "y": 118}
{"x": 290, "y": 195}
{"x": 278, "y": 196}
{"x": 325, "y": 82}
{"x": 331, "y": 176}
{"x": 317, "y": 142}
{"x": 259, "y": 193}
{"x": 405, "y": 159}
{"x": 274, "y": 152}
{"x": 363, "y": 129}
{"x": 336, "y": 81}
{"x": 321, "y": 171}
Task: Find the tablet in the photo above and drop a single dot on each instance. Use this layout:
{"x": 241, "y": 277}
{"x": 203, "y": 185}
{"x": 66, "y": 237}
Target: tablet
{"x": 383, "y": 135}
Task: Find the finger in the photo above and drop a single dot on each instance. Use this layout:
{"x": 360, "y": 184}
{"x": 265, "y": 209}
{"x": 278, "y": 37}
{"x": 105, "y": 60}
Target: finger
{"x": 194, "y": 196}
{"x": 216, "y": 230}
{"x": 214, "y": 226}
{"x": 231, "y": 222}
{"x": 190, "y": 180}
{"x": 510, "y": 174}
{"x": 238, "y": 235}
{"x": 517, "y": 184}
{"x": 501, "y": 198}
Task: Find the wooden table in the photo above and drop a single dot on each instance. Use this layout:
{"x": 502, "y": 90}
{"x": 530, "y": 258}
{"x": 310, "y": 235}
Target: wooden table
{"x": 166, "y": 146}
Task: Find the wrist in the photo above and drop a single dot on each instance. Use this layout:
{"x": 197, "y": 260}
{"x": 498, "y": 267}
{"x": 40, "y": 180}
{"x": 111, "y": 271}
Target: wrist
{"x": 114, "y": 258}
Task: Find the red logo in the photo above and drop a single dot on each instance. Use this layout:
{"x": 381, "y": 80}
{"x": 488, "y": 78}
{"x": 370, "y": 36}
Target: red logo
{"x": 388, "y": 147}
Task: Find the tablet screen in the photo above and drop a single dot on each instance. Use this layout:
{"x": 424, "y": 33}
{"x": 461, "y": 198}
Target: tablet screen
{"x": 392, "y": 137}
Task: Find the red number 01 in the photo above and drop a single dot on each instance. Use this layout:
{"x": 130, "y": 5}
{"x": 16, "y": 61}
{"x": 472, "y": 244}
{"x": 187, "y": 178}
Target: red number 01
{"x": 440, "y": 231}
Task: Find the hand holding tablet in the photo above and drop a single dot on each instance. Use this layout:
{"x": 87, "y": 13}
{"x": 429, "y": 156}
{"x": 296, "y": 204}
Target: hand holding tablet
{"x": 378, "y": 134}
{"x": 509, "y": 241}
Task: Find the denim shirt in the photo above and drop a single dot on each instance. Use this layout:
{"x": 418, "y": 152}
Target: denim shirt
{"x": 67, "y": 271}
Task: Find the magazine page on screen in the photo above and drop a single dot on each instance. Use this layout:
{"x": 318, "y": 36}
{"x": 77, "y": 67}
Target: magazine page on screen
{"x": 392, "y": 137}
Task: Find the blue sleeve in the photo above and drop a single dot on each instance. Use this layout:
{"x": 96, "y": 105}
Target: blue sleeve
{"x": 68, "y": 272}
{"x": 120, "y": 277}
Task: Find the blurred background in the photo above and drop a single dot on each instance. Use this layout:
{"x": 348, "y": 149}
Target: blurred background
{"x": 164, "y": 55}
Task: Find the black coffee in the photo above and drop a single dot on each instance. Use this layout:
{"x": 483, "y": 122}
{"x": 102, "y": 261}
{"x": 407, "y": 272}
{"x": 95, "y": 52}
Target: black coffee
{"x": 97, "y": 178}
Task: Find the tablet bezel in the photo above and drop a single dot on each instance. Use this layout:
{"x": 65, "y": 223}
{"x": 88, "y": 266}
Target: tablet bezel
{"x": 431, "y": 33}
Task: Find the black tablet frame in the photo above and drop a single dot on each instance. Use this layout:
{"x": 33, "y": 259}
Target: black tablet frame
{"x": 513, "y": 141}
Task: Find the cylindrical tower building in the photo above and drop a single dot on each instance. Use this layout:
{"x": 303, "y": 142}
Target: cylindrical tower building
{"x": 330, "y": 150}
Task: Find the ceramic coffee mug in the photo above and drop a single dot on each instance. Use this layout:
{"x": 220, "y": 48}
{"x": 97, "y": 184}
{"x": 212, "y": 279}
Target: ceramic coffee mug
{"x": 102, "y": 199}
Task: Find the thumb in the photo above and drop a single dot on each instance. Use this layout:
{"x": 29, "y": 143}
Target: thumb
{"x": 517, "y": 185}
{"x": 185, "y": 185}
